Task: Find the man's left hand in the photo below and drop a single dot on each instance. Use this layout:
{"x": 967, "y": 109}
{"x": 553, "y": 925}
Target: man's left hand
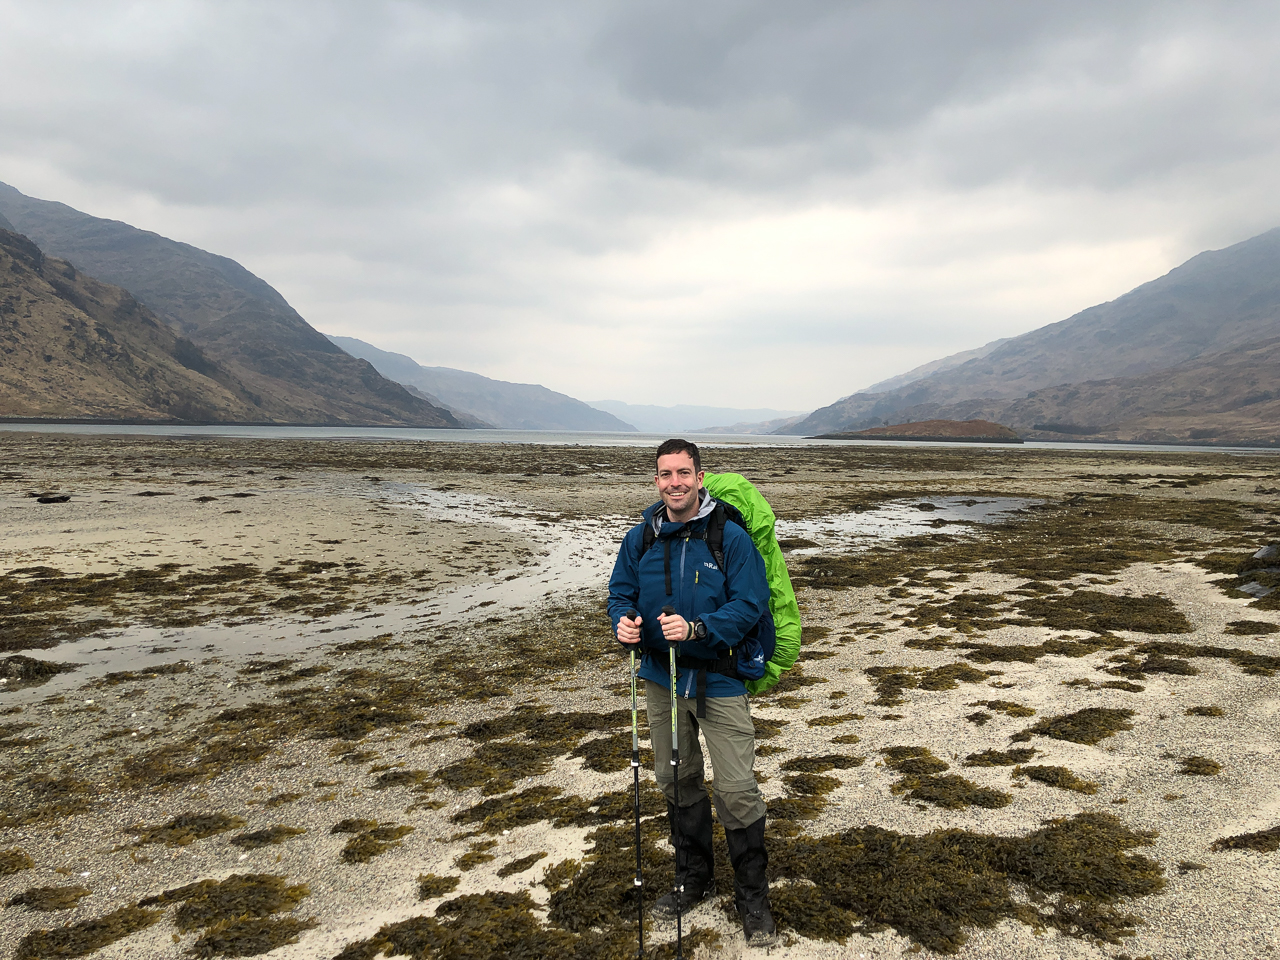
{"x": 675, "y": 628}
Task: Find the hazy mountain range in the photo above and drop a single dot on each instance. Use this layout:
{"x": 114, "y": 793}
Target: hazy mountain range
{"x": 687, "y": 418}
{"x": 480, "y": 401}
{"x": 288, "y": 372}
{"x": 1183, "y": 357}
{"x": 102, "y": 320}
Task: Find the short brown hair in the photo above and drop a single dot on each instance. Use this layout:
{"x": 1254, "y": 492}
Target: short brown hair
{"x": 680, "y": 446}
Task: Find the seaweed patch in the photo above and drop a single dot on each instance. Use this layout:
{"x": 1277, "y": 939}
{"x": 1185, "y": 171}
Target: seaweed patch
{"x": 520, "y": 865}
{"x": 78, "y": 939}
{"x": 431, "y": 886}
{"x": 1263, "y": 841}
{"x": 14, "y": 860}
{"x": 891, "y": 681}
{"x": 1200, "y": 766}
{"x": 922, "y": 779}
{"x": 373, "y": 841}
{"x": 49, "y": 898}
{"x": 1059, "y": 777}
{"x": 476, "y": 855}
{"x": 263, "y": 838}
{"x": 1000, "y": 758}
{"x": 1205, "y": 711}
{"x": 185, "y": 828}
{"x": 931, "y": 888}
{"x": 1089, "y": 726}
{"x": 250, "y": 936}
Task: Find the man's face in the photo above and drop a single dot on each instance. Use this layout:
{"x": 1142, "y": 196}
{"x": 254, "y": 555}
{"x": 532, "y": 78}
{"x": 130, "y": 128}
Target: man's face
{"x": 678, "y": 483}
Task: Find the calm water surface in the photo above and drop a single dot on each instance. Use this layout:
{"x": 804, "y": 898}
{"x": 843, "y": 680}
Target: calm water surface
{"x": 563, "y": 438}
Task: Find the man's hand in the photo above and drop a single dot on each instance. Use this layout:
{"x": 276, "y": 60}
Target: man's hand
{"x": 674, "y": 627}
{"x": 629, "y": 629}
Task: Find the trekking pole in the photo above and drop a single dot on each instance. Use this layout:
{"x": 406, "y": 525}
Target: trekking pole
{"x": 635, "y": 770}
{"x": 675, "y": 786}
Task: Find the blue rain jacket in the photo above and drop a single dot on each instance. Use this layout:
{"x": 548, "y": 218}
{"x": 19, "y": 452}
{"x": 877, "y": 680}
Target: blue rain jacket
{"x": 729, "y": 603}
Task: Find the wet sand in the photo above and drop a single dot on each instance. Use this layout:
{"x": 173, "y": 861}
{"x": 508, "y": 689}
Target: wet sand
{"x": 295, "y": 634}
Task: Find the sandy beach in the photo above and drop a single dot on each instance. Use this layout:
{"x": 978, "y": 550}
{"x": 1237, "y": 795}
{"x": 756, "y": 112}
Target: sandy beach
{"x": 352, "y": 699}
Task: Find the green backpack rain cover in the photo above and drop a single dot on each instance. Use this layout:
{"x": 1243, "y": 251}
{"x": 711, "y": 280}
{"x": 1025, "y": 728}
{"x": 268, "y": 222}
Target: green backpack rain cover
{"x": 735, "y": 489}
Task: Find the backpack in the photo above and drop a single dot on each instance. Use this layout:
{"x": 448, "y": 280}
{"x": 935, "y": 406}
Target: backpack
{"x": 746, "y": 661}
{"x": 745, "y": 506}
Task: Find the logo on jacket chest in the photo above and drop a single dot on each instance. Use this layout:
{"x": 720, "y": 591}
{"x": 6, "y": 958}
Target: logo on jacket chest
{"x": 708, "y": 565}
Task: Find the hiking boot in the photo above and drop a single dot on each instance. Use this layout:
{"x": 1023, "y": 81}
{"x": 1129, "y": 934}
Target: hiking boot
{"x": 751, "y": 883}
{"x": 695, "y": 863}
{"x": 758, "y": 926}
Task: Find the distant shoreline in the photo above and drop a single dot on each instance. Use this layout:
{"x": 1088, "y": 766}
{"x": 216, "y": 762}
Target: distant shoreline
{"x": 587, "y": 438}
{"x": 913, "y": 438}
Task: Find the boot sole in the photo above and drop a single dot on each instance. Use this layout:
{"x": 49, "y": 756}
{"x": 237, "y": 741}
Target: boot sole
{"x": 663, "y": 914}
{"x": 762, "y": 939}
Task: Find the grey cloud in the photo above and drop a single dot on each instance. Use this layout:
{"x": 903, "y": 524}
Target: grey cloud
{"x": 433, "y": 158}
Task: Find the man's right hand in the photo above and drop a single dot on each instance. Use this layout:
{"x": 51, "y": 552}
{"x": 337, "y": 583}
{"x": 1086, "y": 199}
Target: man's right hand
{"x": 629, "y": 630}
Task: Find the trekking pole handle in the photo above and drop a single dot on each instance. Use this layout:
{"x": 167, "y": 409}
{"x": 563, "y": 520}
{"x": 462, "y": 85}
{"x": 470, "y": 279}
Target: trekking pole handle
{"x": 631, "y": 615}
{"x": 669, "y": 610}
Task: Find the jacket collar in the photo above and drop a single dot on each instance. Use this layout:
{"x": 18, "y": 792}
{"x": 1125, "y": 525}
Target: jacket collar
{"x": 656, "y": 515}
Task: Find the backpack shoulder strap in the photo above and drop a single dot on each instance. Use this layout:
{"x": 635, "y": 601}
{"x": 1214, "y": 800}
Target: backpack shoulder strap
{"x": 647, "y": 538}
{"x": 715, "y": 534}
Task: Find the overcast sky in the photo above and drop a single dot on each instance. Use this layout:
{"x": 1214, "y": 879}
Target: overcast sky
{"x": 748, "y": 204}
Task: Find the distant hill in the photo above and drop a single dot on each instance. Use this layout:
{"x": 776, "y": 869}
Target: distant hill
{"x": 1215, "y": 303}
{"x": 512, "y": 406}
{"x": 6, "y": 225}
{"x": 687, "y": 418}
{"x": 72, "y": 347}
{"x": 756, "y": 428}
{"x": 238, "y": 320}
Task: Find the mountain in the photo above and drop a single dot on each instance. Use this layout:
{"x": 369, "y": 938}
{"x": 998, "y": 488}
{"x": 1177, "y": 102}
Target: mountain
{"x": 755, "y": 427}
{"x": 72, "y": 347}
{"x": 512, "y": 406}
{"x": 6, "y": 225}
{"x": 1216, "y": 302}
{"x": 239, "y": 321}
{"x": 1229, "y": 397}
{"x": 686, "y": 418}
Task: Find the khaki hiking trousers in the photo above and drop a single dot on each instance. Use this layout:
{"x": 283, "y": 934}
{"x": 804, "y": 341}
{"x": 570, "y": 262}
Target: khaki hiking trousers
{"x": 731, "y": 742}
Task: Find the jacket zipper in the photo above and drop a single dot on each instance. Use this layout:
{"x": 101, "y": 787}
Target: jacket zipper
{"x": 684, "y": 549}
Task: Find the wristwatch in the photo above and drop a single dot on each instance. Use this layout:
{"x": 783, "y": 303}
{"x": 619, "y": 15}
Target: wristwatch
{"x": 699, "y": 630}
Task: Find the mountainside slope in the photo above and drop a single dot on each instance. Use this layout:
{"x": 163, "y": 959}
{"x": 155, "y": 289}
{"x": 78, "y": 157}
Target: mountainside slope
{"x": 935, "y": 367}
{"x": 1216, "y": 301}
{"x": 73, "y": 347}
{"x": 1230, "y": 397}
{"x": 512, "y": 406}
{"x": 237, "y": 318}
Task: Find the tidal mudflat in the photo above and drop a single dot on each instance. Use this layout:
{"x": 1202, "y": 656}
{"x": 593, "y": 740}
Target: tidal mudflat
{"x": 358, "y": 699}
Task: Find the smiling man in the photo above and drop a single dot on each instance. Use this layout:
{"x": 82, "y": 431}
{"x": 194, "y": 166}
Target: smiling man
{"x": 669, "y": 560}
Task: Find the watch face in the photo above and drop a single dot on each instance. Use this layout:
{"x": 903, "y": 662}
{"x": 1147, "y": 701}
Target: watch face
{"x": 700, "y": 630}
